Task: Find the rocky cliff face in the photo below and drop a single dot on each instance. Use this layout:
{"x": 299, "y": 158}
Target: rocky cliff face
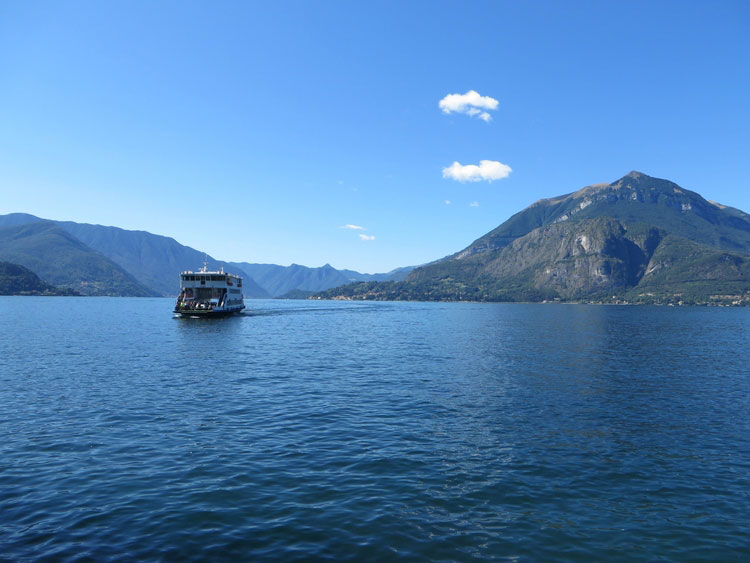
{"x": 634, "y": 198}
{"x": 593, "y": 255}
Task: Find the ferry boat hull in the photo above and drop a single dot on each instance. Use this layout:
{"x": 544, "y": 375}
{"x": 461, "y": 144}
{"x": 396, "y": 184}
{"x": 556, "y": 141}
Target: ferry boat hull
{"x": 205, "y": 294}
{"x": 198, "y": 313}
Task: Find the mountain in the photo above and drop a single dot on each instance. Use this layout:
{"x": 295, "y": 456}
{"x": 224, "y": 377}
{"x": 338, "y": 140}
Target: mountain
{"x": 63, "y": 260}
{"x": 298, "y": 280}
{"x": 639, "y": 239}
{"x": 154, "y": 260}
{"x": 634, "y": 198}
{"x": 17, "y": 280}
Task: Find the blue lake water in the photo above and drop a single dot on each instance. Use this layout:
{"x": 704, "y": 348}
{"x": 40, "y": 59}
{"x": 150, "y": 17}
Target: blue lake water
{"x": 373, "y": 431}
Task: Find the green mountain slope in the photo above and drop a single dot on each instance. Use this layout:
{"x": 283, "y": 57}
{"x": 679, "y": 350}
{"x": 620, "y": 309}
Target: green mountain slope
{"x": 638, "y": 239}
{"x": 154, "y": 260}
{"x": 17, "y": 280}
{"x": 61, "y": 259}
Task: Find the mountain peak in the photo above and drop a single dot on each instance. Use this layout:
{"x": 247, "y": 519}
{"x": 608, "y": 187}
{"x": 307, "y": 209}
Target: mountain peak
{"x": 639, "y": 180}
{"x": 636, "y": 175}
{"x": 636, "y": 178}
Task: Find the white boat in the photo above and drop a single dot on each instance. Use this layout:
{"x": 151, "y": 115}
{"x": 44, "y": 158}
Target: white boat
{"x": 209, "y": 294}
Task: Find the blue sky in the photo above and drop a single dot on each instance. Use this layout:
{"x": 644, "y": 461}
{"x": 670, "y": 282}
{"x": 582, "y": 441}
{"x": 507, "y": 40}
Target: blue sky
{"x": 256, "y": 131}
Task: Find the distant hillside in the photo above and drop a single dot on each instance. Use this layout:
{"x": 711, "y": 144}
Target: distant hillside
{"x": 639, "y": 239}
{"x": 296, "y": 280}
{"x": 154, "y": 260}
{"x": 17, "y": 280}
{"x": 63, "y": 260}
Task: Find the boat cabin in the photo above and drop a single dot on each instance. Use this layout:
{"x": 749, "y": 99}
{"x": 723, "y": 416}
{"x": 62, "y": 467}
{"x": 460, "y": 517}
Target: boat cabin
{"x": 209, "y": 291}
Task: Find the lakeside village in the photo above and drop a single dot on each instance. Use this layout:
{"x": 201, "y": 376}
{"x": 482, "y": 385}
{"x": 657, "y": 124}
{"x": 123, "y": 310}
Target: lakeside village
{"x": 676, "y": 300}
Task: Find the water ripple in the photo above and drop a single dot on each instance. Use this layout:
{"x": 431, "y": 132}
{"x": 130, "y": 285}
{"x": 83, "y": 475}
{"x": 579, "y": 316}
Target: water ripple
{"x": 373, "y": 431}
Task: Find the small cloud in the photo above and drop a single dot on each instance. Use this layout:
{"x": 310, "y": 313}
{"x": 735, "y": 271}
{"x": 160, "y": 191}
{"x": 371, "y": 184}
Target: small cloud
{"x": 366, "y": 237}
{"x": 474, "y": 204}
{"x": 447, "y": 202}
{"x": 353, "y": 227}
{"x": 488, "y": 170}
{"x": 470, "y": 104}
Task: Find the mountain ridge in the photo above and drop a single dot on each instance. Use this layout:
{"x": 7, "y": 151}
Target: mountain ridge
{"x": 279, "y": 281}
{"x": 156, "y": 260}
{"x": 61, "y": 259}
{"x": 577, "y": 204}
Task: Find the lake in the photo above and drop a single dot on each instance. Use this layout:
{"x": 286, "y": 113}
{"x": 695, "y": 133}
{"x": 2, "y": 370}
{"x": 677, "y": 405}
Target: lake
{"x": 373, "y": 431}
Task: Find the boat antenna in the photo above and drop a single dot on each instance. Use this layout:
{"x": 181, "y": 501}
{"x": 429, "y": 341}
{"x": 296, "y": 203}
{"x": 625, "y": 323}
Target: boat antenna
{"x": 205, "y": 263}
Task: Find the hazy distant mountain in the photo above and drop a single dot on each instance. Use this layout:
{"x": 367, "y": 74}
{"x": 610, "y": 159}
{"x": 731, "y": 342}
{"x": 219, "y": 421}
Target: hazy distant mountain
{"x": 279, "y": 280}
{"x": 639, "y": 238}
{"x": 61, "y": 259}
{"x": 154, "y": 260}
{"x": 282, "y": 280}
{"x": 398, "y": 274}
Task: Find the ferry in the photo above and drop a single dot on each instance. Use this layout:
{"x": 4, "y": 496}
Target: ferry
{"x": 209, "y": 294}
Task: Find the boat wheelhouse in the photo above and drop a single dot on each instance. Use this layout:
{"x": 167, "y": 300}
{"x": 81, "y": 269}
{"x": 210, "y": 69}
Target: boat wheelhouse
{"x": 209, "y": 294}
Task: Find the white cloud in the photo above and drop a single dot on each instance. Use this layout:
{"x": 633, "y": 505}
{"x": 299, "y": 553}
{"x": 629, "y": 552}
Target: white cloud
{"x": 487, "y": 170}
{"x": 470, "y": 103}
{"x": 366, "y": 237}
{"x": 474, "y": 204}
{"x": 353, "y": 227}
{"x": 447, "y": 202}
